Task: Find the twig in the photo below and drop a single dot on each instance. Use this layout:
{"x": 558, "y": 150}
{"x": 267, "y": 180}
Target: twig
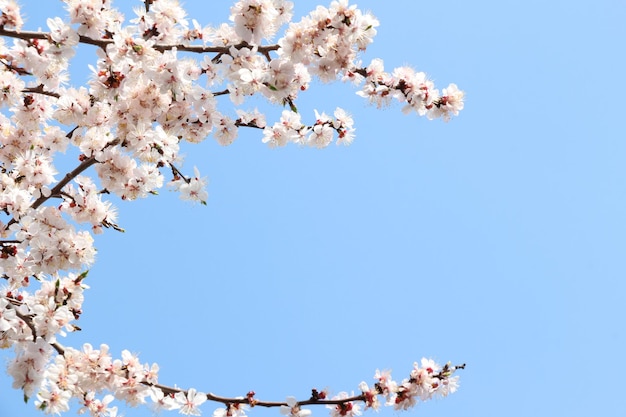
{"x": 40, "y": 90}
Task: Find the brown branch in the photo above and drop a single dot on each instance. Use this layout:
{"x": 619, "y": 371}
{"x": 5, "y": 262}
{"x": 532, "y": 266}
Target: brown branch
{"x": 314, "y": 400}
{"x": 23, "y": 35}
{"x": 176, "y": 173}
{"x": 239, "y": 123}
{"x": 40, "y": 90}
{"x": 215, "y": 49}
{"x": 68, "y": 177}
{"x": 27, "y": 320}
{"x": 17, "y": 70}
{"x": 102, "y": 43}
{"x": 24, "y": 318}
{"x": 249, "y": 400}
{"x": 28, "y": 35}
{"x": 57, "y": 188}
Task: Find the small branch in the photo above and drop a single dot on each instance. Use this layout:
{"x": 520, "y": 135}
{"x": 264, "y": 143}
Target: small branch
{"x": 214, "y": 49}
{"x": 29, "y": 35}
{"x": 102, "y": 43}
{"x": 59, "y": 348}
{"x": 68, "y": 177}
{"x": 239, "y": 123}
{"x": 17, "y": 70}
{"x": 39, "y": 90}
{"x": 253, "y": 402}
{"x": 360, "y": 71}
{"x": 24, "y": 318}
{"x": 178, "y": 174}
{"x": 27, "y": 320}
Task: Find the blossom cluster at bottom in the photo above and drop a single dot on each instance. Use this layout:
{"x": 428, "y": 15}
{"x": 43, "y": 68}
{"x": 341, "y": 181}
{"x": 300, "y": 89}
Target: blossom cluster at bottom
{"x": 84, "y": 374}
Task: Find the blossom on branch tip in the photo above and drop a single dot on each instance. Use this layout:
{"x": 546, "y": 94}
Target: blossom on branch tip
{"x": 450, "y": 103}
{"x": 192, "y": 189}
{"x": 344, "y": 125}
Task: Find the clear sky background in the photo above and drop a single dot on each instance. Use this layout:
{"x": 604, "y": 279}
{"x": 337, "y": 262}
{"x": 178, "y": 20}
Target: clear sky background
{"x": 497, "y": 239}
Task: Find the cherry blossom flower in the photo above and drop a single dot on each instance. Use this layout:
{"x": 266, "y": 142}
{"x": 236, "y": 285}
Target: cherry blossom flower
{"x": 233, "y": 410}
{"x": 292, "y": 408}
{"x": 191, "y": 189}
{"x": 11, "y": 16}
{"x": 344, "y": 409}
{"x": 160, "y": 401}
{"x": 53, "y": 400}
{"x": 371, "y": 396}
{"x": 7, "y": 316}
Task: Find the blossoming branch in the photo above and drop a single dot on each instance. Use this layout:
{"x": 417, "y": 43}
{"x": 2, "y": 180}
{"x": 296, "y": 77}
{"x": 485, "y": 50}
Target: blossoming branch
{"x": 158, "y": 81}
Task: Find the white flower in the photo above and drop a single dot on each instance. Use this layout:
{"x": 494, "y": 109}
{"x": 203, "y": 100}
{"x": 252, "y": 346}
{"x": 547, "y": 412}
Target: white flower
{"x": 194, "y": 189}
{"x": 53, "y": 400}
{"x": 321, "y": 133}
{"x": 345, "y": 127}
{"x": 344, "y": 409}
{"x": 162, "y": 401}
{"x": 292, "y": 408}
{"x": 226, "y": 131}
{"x": 189, "y": 403}
{"x": 62, "y": 34}
{"x": 10, "y": 17}
{"x": 234, "y": 410}
{"x": 371, "y": 396}
{"x": 7, "y": 316}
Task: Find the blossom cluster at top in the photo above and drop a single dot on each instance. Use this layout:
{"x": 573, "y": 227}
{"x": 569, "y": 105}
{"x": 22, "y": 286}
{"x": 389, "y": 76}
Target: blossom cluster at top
{"x": 158, "y": 81}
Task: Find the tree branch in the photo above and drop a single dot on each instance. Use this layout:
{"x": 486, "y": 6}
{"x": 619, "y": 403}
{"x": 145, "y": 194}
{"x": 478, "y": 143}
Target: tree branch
{"x": 68, "y": 177}
{"x": 40, "y": 90}
{"x": 102, "y": 43}
{"x": 249, "y": 399}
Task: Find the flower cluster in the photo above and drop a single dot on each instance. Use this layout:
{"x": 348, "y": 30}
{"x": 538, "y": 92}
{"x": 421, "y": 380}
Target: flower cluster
{"x": 157, "y": 81}
{"x": 320, "y": 135}
{"x": 410, "y": 87}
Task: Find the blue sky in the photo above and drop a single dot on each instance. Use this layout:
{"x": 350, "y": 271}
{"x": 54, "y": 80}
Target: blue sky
{"x": 496, "y": 239}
